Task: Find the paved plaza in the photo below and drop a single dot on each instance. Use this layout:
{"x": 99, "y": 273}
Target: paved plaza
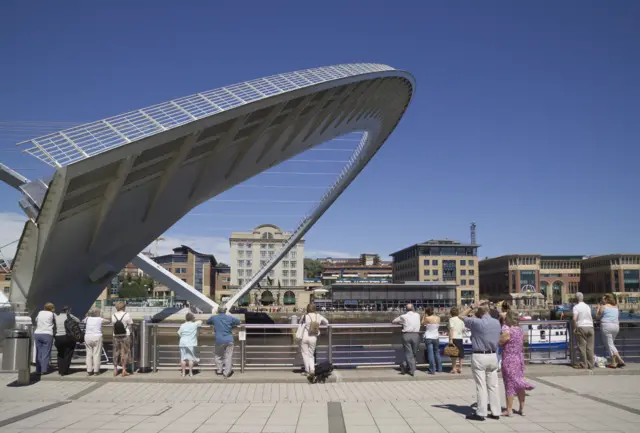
{"x": 361, "y": 401}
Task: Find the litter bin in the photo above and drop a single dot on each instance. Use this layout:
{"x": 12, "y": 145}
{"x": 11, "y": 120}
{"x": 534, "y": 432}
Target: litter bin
{"x": 15, "y": 357}
{"x": 144, "y": 352}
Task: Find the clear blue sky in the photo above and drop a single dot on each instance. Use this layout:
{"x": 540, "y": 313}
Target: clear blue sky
{"x": 525, "y": 120}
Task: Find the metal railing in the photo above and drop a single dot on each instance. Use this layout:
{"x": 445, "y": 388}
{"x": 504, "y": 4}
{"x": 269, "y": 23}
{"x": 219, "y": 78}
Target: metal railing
{"x": 274, "y": 347}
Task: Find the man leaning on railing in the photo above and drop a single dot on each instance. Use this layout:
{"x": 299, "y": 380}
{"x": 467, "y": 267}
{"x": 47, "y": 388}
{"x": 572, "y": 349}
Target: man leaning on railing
{"x": 410, "y": 322}
{"x": 223, "y": 325}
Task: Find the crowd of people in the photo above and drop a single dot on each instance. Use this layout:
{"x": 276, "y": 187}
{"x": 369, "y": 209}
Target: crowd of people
{"x": 487, "y": 335}
{"x": 63, "y": 329}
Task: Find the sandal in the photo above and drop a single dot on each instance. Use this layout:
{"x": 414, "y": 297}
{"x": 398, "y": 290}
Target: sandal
{"x": 507, "y": 413}
{"x": 459, "y": 371}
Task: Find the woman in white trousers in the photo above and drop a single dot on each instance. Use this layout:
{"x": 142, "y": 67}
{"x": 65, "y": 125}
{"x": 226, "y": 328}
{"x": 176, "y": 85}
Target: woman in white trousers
{"x": 93, "y": 341}
{"x": 608, "y": 314}
{"x": 310, "y": 326}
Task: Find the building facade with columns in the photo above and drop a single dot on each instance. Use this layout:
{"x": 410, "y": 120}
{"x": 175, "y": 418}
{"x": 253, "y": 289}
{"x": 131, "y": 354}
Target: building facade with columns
{"x": 249, "y": 251}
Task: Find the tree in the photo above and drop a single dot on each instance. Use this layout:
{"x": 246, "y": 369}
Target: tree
{"x": 312, "y": 268}
{"x": 135, "y": 287}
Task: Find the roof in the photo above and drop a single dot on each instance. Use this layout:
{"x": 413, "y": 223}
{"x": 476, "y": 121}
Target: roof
{"x": 437, "y": 243}
{"x": 184, "y": 249}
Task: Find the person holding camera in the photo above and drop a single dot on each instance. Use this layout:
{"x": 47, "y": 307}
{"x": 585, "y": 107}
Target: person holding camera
{"x": 485, "y": 336}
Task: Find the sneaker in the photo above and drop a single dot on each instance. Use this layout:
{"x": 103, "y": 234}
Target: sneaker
{"x": 191, "y": 374}
{"x": 474, "y": 417}
{"x": 182, "y": 374}
{"x": 493, "y": 417}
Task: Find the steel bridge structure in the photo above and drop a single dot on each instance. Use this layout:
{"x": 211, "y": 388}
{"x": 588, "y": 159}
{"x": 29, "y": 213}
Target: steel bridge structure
{"x": 121, "y": 182}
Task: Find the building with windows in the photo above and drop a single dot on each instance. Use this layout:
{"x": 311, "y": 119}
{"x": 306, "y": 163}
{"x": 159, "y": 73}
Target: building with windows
{"x": 443, "y": 261}
{"x": 614, "y": 273}
{"x": 251, "y": 250}
{"x": 385, "y": 296}
{"x": 192, "y": 267}
{"x": 222, "y": 279}
{"x": 368, "y": 268}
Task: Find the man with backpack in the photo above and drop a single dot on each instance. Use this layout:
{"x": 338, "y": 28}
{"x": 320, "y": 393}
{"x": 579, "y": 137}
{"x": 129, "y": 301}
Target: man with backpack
{"x": 68, "y": 333}
{"x": 122, "y": 324}
{"x": 223, "y": 325}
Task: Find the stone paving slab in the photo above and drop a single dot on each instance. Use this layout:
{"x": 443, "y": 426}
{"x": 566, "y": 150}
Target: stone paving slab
{"x": 558, "y": 404}
{"x": 340, "y": 375}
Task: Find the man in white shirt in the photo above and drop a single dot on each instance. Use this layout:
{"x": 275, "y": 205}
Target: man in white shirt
{"x": 410, "y": 322}
{"x": 583, "y": 330}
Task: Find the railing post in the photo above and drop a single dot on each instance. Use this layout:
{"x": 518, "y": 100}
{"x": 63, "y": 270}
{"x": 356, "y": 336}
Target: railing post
{"x": 243, "y": 349}
{"x": 330, "y": 343}
{"x": 155, "y": 348}
{"x": 572, "y": 341}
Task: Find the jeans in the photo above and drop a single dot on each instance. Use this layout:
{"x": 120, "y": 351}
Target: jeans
{"x": 44, "y": 342}
{"x": 432, "y": 353}
{"x": 410, "y": 344}
{"x": 224, "y": 358}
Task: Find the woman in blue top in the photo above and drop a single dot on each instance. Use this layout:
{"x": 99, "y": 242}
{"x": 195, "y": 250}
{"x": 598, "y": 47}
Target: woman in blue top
{"x": 608, "y": 314}
{"x": 188, "y": 333}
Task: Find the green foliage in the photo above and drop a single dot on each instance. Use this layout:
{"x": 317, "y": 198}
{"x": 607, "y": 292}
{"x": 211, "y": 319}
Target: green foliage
{"x": 135, "y": 287}
{"x": 312, "y": 268}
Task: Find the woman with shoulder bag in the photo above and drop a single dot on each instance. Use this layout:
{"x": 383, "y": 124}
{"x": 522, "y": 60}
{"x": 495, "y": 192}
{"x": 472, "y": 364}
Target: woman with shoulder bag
{"x": 43, "y": 337}
{"x": 456, "y": 328}
{"x": 308, "y": 333}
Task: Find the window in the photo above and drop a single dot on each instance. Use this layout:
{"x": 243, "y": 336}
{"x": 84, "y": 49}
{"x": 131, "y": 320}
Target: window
{"x": 463, "y": 282}
{"x": 285, "y": 282}
{"x": 272, "y": 246}
{"x": 241, "y": 263}
{"x": 427, "y": 272}
{"x": 463, "y": 263}
{"x": 425, "y": 262}
{"x": 113, "y": 291}
{"x": 263, "y": 246}
{"x": 249, "y": 263}
{"x": 472, "y": 282}
{"x": 434, "y": 262}
{"x": 248, "y": 273}
{"x": 463, "y": 272}
{"x": 184, "y": 279}
{"x": 293, "y": 254}
{"x": 294, "y": 273}
{"x": 285, "y": 263}
{"x": 263, "y": 262}
{"x": 472, "y": 272}
{"x": 285, "y": 273}
{"x": 241, "y": 272}
{"x": 7, "y": 277}
{"x": 249, "y": 254}
{"x": 240, "y": 253}
{"x": 240, "y": 245}
{"x": 471, "y": 262}
{"x": 240, "y": 281}
{"x": 435, "y": 272}
{"x": 180, "y": 270}
{"x": 248, "y": 245}
{"x": 271, "y": 254}
{"x": 294, "y": 264}
{"x": 263, "y": 254}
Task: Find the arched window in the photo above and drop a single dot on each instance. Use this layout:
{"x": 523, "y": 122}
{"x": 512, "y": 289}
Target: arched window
{"x": 544, "y": 288}
{"x": 266, "y": 298}
{"x": 289, "y": 298}
{"x": 267, "y": 235}
{"x": 557, "y": 289}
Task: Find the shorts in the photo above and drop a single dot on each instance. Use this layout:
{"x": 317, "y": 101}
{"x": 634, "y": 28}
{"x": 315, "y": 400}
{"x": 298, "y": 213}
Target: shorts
{"x": 460, "y": 346}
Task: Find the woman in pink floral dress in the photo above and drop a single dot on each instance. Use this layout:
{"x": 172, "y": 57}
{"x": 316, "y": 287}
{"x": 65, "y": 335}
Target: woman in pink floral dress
{"x": 511, "y": 340}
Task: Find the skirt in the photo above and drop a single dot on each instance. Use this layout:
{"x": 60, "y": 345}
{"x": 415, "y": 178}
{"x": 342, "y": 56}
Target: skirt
{"x": 188, "y": 354}
{"x": 460, "y": 346}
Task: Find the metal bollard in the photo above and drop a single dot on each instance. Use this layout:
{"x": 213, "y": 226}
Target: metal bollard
{"x": 155, "y": 349}
{"x": 15, "y": 357}
{"x": 144, "y": 351}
